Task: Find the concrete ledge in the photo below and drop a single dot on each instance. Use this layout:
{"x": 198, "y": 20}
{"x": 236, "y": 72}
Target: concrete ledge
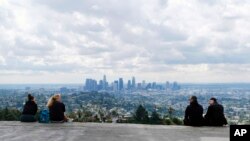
{"x": 17, "y": 131}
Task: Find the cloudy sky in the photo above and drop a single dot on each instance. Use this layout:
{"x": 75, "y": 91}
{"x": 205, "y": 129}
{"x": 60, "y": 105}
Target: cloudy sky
{"x": 61, "y": 41}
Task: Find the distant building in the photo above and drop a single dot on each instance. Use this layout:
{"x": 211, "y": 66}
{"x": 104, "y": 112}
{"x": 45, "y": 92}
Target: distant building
{"x": 64, "y": 90}
{"x": 120, "y": 84}
{"x": 129, "y": 86}
{"x": 154, "y": 85}
{"x": 105, "y": 83}
{"x": 175, "y": 86}
{"x": 115, "y": 86}
{"x": 90, "y": 85}
{"x": 149, "y": 86}
{"x": 139, "y": 86}
{"x": 143, "y": 84}
{"x": 133, "y": 82}
{"x": 101, "y": 85}
{"x": 167, "y": 86}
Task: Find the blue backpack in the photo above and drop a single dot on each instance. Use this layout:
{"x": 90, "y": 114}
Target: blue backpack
{"x": 44, "y": 116}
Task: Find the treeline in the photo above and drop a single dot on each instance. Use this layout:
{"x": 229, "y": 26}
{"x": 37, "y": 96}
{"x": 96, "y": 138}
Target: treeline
{"x": 7, "y": 114}
{"x": 141, "y": 116}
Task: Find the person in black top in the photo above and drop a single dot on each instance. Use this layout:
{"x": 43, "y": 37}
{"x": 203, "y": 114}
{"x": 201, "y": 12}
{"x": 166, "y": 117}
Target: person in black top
{"x": 215, "y": 114}
{"x": 193, "y": 113}
{"x": 29, "y": 110}
{"x": 56, "y": 109}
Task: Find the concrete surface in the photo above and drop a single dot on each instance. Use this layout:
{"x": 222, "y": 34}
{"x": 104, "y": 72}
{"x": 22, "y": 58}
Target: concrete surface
{"x": 16, "y": 131}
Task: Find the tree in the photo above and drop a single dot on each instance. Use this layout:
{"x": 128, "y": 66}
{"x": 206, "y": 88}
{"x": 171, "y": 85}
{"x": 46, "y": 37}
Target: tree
{"x": 168, "y": 121}
{"x": 177, "y": 121}
{"x": 141, "y": 115}
{"x": 170, "y": 111}
{"x": 155, "y": 118}
{"x": 10, "y": 114}
{"x": 114, "y": 113}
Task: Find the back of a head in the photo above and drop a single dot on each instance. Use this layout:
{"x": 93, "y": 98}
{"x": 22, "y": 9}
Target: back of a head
{"x": 53, "y": 99}
{"x": 194, "y": 99}
{"x": 214, "y": 99}
{"x": 30, "y": 97}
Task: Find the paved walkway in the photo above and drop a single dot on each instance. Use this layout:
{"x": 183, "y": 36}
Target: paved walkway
{"x": 16, "y": 131}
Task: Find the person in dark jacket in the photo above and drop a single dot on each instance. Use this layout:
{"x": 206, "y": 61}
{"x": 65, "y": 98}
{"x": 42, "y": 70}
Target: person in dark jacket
{"x": 215, "y": 114}
{"x": 193, "y": 113}
{"x": 29, "y": 110}
{"x": 56, "y": 109}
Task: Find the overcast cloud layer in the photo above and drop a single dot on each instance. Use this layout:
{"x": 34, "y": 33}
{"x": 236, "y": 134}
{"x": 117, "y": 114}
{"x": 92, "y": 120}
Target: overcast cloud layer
{"x": 62, "y": 41}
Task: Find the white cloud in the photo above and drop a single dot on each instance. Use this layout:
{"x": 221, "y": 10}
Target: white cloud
{"x": 157, "y": 40}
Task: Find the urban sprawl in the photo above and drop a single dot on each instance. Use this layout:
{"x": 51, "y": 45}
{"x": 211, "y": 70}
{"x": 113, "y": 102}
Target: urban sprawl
{"x": 120, "y": 97}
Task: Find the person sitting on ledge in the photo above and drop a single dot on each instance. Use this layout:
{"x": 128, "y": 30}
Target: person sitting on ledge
{"x": 193, "y": 113}
{"x": 215, "y": 114}
{"x": 56, "y": 109}
{"x": 29, "y": 110}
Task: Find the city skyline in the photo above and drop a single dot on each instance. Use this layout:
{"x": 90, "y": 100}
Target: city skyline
{"x": 195, "y": 41}
{"x": 120, "y": 84}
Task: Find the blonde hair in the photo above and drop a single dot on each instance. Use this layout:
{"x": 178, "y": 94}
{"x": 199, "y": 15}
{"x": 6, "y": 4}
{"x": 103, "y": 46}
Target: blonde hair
{"x": 52, "y": 99}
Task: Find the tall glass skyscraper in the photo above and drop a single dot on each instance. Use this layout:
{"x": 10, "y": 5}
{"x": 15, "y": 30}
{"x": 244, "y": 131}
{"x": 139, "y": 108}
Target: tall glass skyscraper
{"x": 120, "y": 84}
{"x": 105, "y": 83}
{"x": 133, "y": 82}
